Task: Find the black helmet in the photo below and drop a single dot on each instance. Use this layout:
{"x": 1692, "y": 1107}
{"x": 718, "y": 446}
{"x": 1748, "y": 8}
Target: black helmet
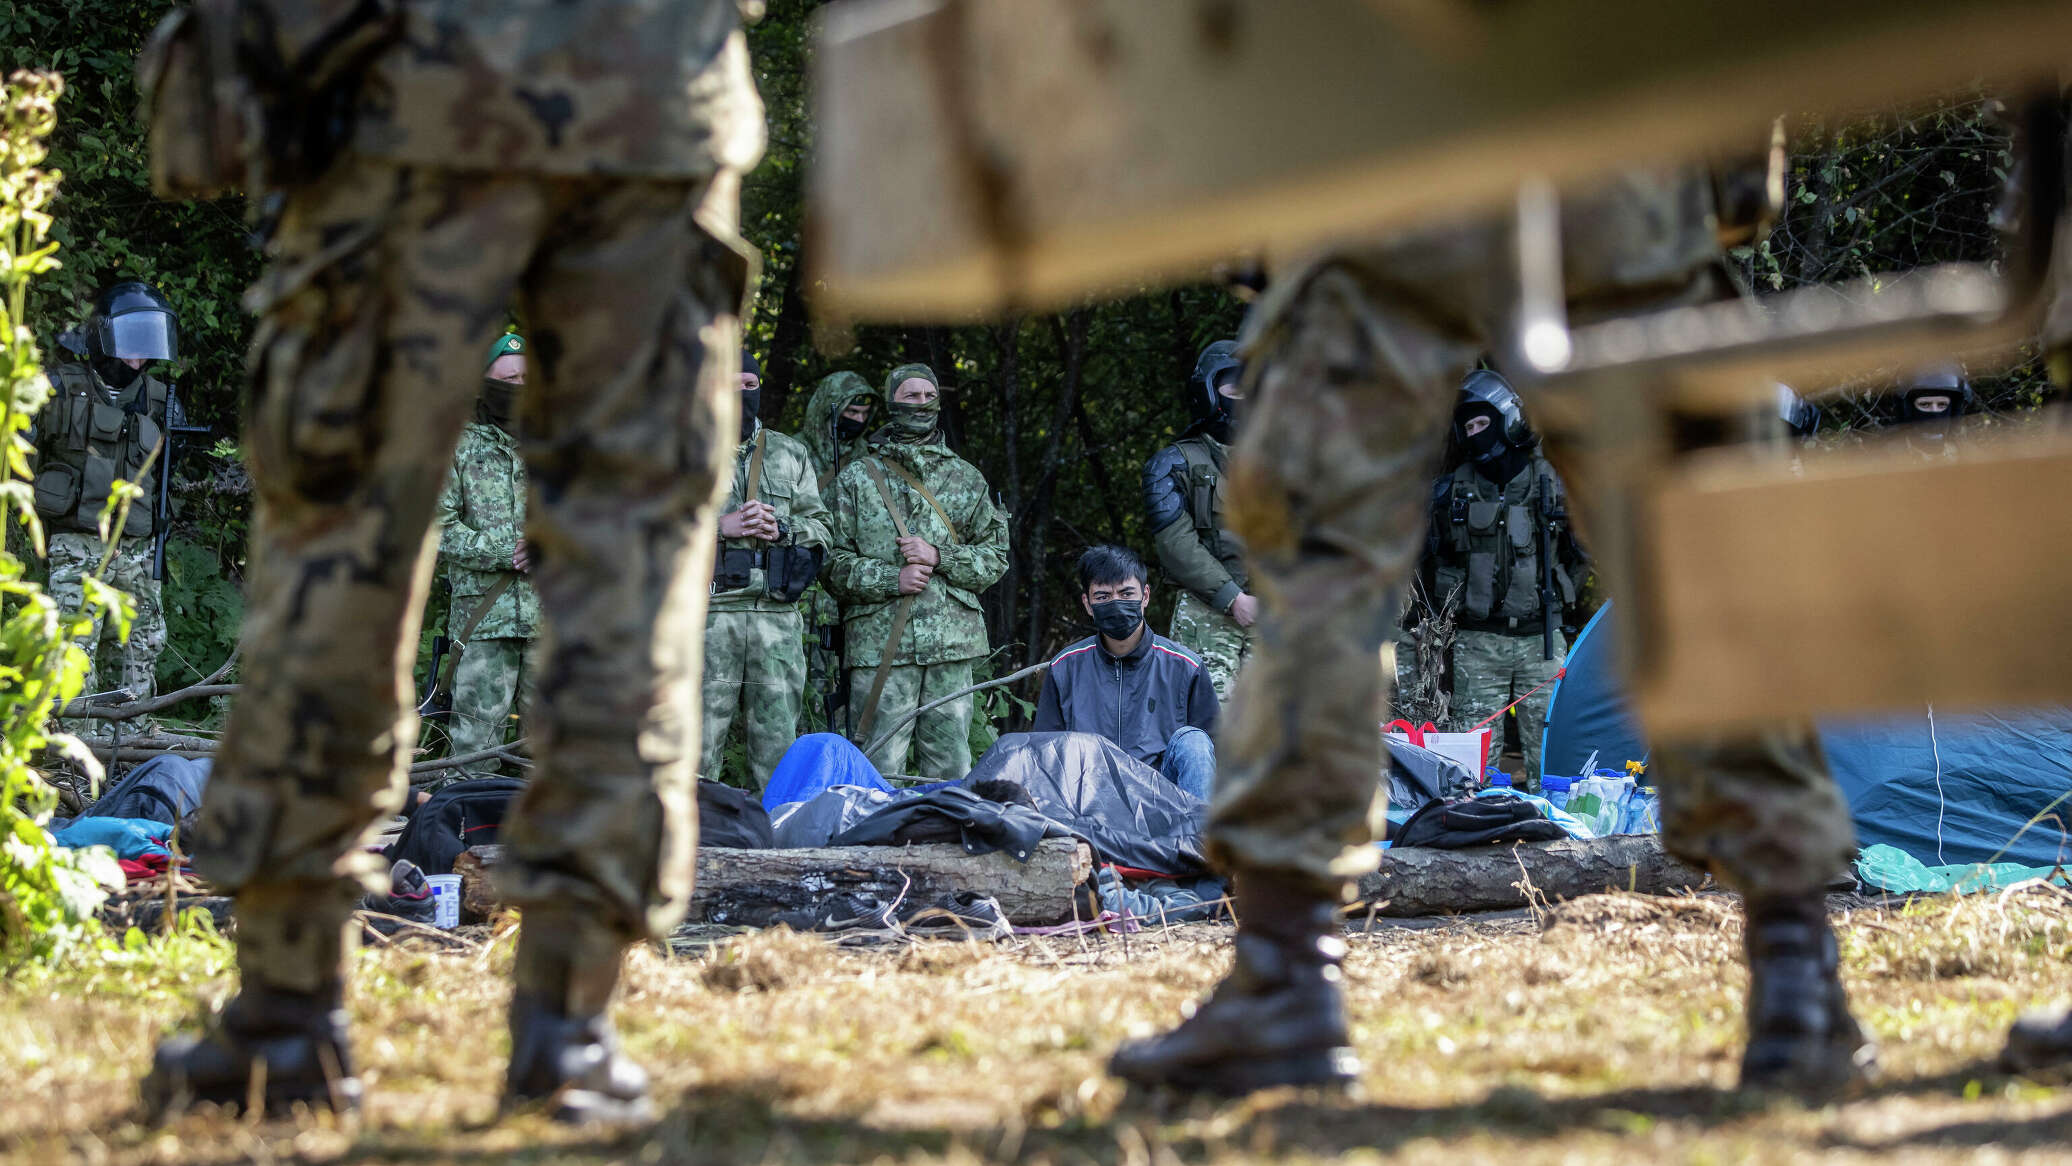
{"x": 1942, "y": 380}
{"x": 131, "y": 321}
{"x": 1217, "y": 366}
{"x": 1485, "y": 390}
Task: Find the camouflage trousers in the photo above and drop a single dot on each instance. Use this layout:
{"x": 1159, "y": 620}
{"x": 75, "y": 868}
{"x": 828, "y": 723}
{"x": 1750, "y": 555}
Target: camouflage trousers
{"x": 112, "y": 662}
{"x": 938, "y": 743}
{"x": 1357, "y": 374}
{"x": 494, "y": 676}
{"x": 1215, "y": 637}
{"x": 755, "y": 669}
{"x": 1492, "y": 669}
{"x": 386, "y": 284}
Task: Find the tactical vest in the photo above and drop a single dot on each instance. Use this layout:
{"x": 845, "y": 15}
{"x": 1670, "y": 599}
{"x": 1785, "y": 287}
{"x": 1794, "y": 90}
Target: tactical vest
{"x": 85, "y": 442}
{"x": 1203, "y": 489}
{"x": 1488, "y": 546}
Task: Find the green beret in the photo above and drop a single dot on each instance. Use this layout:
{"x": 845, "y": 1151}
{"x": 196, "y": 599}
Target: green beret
{"x": 509, "y": 344}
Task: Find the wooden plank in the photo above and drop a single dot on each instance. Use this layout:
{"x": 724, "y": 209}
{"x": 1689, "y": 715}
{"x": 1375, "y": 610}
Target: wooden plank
{"x": 974, "y": 155}
{"x": 1418, "y": 882}
{"x": 1872, "y": 580}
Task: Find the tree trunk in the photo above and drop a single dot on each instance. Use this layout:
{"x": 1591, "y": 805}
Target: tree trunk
{"x": 1070, "y": 335}
{"x": 760, "y": 888}
{"x": 1421, "y": 881}
{"x": 782, "y": 365}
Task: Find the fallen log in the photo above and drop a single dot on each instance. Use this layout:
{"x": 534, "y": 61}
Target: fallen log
{"x": 760, "y": 888}
{"x": 1423, "y": 881}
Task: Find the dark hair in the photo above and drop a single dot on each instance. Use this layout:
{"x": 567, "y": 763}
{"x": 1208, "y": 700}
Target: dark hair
{"x": 1109, "y": 564}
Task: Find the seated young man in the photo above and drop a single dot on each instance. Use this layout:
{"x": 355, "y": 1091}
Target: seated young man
{"x": 1128, "y": 683}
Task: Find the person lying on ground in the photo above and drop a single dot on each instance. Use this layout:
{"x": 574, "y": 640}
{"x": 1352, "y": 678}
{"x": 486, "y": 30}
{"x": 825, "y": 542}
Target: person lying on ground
{"x": 1129, "y": 684}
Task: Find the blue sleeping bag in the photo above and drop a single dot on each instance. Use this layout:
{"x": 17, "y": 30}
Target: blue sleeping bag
{"x": 818, "y": 762}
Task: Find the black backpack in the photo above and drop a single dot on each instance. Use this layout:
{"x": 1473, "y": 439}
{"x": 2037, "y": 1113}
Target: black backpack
{"x": 464, "y": 814}
{"x": 732, "y": 818}
{"x": 1459, "y": 823}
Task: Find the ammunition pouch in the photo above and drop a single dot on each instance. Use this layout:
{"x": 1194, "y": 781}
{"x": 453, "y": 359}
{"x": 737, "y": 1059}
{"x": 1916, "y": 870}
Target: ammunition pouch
{"x": 788, "y": 569}
{"x": 57, "y": 489}
{"x": 236, "y": 99}
{"x": 734, "y": 567}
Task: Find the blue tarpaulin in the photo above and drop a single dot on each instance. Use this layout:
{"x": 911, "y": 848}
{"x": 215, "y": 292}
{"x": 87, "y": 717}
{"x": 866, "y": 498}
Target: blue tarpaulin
{"x": 1944, "y": 788}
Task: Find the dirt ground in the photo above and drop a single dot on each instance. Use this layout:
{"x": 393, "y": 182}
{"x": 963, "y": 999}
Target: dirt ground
{"x": 1605, "y": 1031}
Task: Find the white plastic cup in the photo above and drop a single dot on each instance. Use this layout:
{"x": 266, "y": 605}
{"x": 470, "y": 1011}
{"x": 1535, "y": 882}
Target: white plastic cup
{"x": 445, "y": 900}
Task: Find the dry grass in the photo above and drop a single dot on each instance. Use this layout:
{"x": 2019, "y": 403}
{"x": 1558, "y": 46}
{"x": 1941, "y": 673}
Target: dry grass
{"x": 1606, "y": 1031}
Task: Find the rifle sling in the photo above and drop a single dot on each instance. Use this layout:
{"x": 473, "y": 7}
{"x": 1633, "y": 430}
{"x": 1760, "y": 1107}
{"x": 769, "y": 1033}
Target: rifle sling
{"x": 458, "y": 644}
{"x": 876, "y": 467}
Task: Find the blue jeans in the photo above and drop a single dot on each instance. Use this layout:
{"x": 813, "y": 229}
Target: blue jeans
{"x": 1190, "y": 761}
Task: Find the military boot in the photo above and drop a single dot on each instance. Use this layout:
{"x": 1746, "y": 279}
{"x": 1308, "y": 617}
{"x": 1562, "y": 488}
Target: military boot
{"x": 282, "y": 1039}
{"x": 1277, "y": 1019}
{"x": 2038, "y": 1041}
{"x": 1801, "y": 1036}
{"x": 564, "y": 1052}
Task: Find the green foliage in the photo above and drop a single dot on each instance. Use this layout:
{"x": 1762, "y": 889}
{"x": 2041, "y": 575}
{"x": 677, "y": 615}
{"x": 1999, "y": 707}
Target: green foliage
{"x": 203, "y": 610}
{"x": 47, "y": 893}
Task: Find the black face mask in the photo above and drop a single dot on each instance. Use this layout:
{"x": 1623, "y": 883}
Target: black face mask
{"x": 1119, "y": 619}
{"x": 498, "y": 403}
{"x": 751, "y": 400}
{"x": 116, "y": 373}
{"x": 849, "y": 428}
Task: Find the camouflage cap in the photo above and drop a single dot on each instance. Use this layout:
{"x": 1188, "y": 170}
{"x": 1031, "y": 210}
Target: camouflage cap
{"x": 509, "y": 344}
{"x": 907, "y": 372}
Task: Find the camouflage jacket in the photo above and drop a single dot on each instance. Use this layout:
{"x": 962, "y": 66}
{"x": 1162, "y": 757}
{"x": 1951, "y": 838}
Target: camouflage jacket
{"x": 787, "y": 484}
{"x": 629, "y": 88}
{"x": 481, "y": 514}
{"x": 864, "y": 562}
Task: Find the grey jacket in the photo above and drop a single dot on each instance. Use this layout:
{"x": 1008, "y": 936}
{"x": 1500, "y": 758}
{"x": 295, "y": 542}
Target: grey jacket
{"x": 1137, "y": 701}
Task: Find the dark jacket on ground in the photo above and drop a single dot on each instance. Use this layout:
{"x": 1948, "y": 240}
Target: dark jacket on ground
{"x": 1137, "y": 701}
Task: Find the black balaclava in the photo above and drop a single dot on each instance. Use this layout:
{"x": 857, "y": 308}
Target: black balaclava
{"x": 115, "y": 373}
{"x": 498, "y": 404}
{"x": 1495, "y": 457}
{"x": 751, "y": 399}
{"x": 1118, "y": 619}
{"x": 849, "y": 428}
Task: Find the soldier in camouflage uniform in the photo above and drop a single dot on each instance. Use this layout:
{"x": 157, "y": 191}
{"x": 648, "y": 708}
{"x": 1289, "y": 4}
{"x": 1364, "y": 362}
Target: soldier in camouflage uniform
{"x": 494, "y": 613}
{"x": 837, "y": 431}
{"x": 583, "y": 157}
{"x": 910, "y": 601}
{"x": 1356, "y": 358}
{"x": 1487, "y": 534}
{"x": 102, "y": 423}
{"x": 773, "y": 534}
{"x": 1184, "y": 504}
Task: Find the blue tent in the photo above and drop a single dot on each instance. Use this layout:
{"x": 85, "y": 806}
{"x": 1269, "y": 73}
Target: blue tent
{"x": 1944, "y": 788}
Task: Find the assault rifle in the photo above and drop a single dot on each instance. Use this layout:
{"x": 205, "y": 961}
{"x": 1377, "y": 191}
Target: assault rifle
{"x": 175, "y": 427}
{"x": 1548, "y": 514}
